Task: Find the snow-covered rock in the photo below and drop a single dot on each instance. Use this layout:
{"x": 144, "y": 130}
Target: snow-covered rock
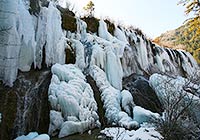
{"x": 33, "y": 136}
{"x": 142, "y": 115}
{"x": 72, "y": 99}
{"x": 127, "y": 102}
{"x": 145, "y": 132}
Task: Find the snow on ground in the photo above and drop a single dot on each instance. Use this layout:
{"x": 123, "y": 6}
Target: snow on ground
{"x": 145, "y": 132}
{"x": 74, "y": 108}
{"x": 33, "y": 136}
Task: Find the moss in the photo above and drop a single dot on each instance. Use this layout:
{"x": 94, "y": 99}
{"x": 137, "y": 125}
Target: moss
{"x": 69, "y": 22}
{"x": 34, "y": 7}
{"x": 68, "y": 19}
{"x": 92, "y": 24}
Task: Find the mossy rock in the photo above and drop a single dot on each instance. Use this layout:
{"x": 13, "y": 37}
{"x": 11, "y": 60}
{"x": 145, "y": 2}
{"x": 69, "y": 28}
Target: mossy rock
{"x": 69, "y": 22}
{"x": 68, "y": 19}
{"x": 111, "y": 26}
{"x": 92, "y": 24}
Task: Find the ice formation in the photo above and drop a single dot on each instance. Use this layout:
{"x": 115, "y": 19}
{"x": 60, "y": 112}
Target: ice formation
{"x": 24, "y": 38}
{"x": 33, "y": 136}
{"x": 111, "y": 98}
{"x": 145, "y": 132}
{"x": 127, "y": 102}
{"x": 10, "y": 42}
{"x": 73, "y": 106}
{"x": 49, "y": 37}
{"x": 38, "y": 39}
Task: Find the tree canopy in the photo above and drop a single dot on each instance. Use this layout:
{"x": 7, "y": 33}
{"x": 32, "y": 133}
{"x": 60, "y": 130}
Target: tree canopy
{"x": 192, "y": 6}
{"x": 191, "y": 35}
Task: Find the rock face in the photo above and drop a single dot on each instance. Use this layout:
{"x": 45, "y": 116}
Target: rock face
{"x": 97, "y": 96}
{"x": 25, "y": 107}
{"x": 143, "y": 94}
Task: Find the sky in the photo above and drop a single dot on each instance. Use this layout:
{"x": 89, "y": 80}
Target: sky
{"x": 153, "y": 17}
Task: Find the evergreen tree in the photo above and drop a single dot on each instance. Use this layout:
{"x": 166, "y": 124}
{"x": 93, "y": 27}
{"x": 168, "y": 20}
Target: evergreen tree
{"x": 191, "y": 35}
{"x": 89, "y": 8}
{"x": 192, "y": 6}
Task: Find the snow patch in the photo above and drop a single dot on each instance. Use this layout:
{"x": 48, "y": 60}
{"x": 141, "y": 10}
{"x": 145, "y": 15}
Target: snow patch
{"x": 142, "y": 115}
{"x": 145, "y": 132}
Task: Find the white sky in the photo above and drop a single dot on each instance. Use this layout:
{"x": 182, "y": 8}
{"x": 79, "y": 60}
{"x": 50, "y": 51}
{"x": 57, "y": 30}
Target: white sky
{"x": 153, "y": 17}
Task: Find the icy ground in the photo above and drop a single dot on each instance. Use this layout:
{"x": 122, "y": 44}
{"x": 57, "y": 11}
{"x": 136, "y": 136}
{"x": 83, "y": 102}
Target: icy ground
{"x": 145, "y": 132}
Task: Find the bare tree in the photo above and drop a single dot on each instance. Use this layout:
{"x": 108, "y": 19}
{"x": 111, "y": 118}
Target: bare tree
{"x": 179, "y": 121}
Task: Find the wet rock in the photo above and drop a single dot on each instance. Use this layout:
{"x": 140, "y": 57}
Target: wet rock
{"x": 25, "y": 106}
{"x": 143, "y": 94}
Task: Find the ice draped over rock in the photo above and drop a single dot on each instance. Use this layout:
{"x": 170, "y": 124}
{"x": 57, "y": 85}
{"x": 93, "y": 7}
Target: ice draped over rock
{"x": 24, "y": 37}
{"x": 38, "y": 39}
{"x": 54, "y": 42}
{"x": 10, "y": 41}
{"x": 74, "y": 108}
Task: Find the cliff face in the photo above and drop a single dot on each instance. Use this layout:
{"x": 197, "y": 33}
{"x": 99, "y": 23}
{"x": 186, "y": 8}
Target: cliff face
{"x": 33, "y": 39}
{"x": 38, "y": 39}
{"x": 25, "y": 106}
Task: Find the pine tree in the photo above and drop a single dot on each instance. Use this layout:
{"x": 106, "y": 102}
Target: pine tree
{"x": 192, "y": 32}
{"x": 89, "y": 8}
{"x": 192, "y": 6}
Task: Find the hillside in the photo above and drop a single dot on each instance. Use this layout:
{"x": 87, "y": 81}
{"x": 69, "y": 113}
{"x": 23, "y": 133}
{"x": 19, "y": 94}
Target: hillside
{"x": 180, "y": 39}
